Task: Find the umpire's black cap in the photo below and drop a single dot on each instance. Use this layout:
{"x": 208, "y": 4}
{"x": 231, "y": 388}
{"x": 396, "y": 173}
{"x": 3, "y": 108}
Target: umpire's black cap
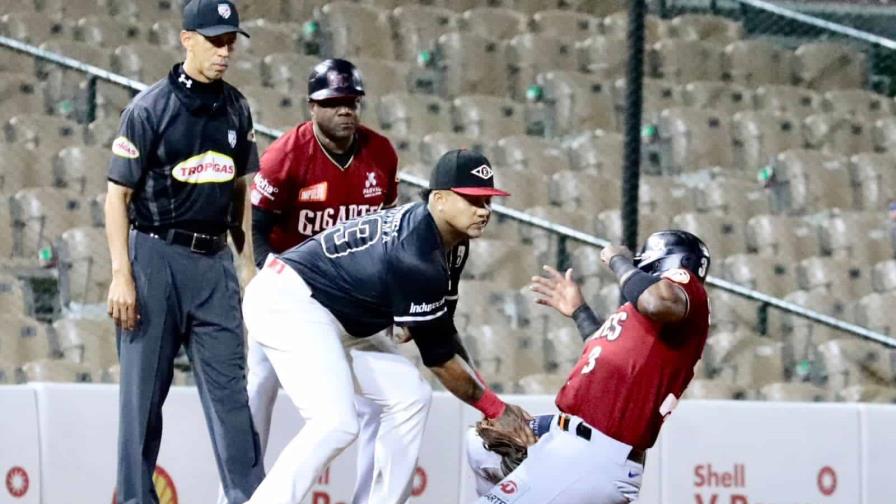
{"x": 465, "y": 172}
{"x": 211, "y": 18}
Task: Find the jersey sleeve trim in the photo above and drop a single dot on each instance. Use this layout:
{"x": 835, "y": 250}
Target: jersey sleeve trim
{"x": 421, "y": 318}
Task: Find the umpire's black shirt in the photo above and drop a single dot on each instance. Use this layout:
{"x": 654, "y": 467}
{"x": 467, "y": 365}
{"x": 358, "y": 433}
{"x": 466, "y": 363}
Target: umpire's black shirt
{"x": 180, "y": 147}
{"x": 382, "y": 269}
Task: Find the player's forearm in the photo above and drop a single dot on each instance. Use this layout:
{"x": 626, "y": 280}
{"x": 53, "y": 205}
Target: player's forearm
{"x": 116, "y": 216}
{"x": 262, "y": 224}
{"x": 463, "y": 382}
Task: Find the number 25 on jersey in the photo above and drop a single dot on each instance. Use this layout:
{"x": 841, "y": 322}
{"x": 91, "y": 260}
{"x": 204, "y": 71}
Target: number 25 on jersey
{"x": 610, "y": 330}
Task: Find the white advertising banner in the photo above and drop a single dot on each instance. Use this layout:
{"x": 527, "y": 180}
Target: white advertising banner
{"x": 719, "y": 452}
{"x": 878, "y": 453}
{"x": 20, "y": 480}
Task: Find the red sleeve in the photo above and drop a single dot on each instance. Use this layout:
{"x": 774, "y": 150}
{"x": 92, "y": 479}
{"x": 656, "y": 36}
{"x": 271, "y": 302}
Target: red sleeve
{"x": 274, "y": 186}
{"x": 391, "y": 168}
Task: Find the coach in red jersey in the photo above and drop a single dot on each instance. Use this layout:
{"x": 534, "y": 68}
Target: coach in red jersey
{"x": 634, "y": 367}
{"x": 324, "y": 171}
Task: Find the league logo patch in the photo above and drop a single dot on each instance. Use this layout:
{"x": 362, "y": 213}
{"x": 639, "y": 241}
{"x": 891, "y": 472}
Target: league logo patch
{"x": 678, "y": 276}
{"x": 231, "y": 138}
{"x": 371, "y": 187}
{"x": 210, "y": 166}
{"x": 484, "y": 172}
{"x": 506, "y": 492}
{"x": 224, "y": 10}
{"x": 122, "y": 147}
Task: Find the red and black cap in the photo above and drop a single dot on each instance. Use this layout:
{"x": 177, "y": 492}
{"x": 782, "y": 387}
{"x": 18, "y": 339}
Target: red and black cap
{"x": 211, "y": 18}
{"x": 465, "y": 172}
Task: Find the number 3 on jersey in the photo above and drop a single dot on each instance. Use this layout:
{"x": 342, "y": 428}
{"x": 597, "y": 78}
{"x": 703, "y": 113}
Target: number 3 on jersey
{"x": 610, "y": 330}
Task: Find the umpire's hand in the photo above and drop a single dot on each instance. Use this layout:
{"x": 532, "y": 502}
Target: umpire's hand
{"x": 122, "y": 301}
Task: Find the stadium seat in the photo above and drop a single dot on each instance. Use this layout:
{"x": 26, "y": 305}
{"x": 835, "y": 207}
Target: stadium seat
{"x": 165, "y": 33}
{"x": 723, "y": 234}
{"x": 30, "y": 27}
{"x": 488, "y": 117}
{"x": 20, "y": 169}
{"x": 721, "y": 193}
{"x": 789, "y": 100}
{"x": 838, "y": 134}
{"x": 541, "y": 383}
{"x": 874, "y": 311}
{"x": 562, "y": 348}
{"x": 841, "y": 278}
{"x": 301, "y": 10}
{"x": 883, "y": 277}
{"x": 586, "y": 263}
{"x": 807, "y": 180}
{"x": 756, "y": 62}
{"x": 529, "y": 54}
{"x": 608, "y": 224}
{"x": 530, "y": 153}
{"x": 885, "y": 134}
{"x": 475, "y": 302}
{"x": 81, "y": 169}
{"x": 412, "y": 113}
{"x": 144, "y": 62}
{"x": 873, "y": 179}
{"x": 597, "y": 150}
{"x": 792, "y": 392}
{"x": 269, "y": 35}
{"x": 566, "y": 24}
{"x": 692, "y": 139}
{"x": 14, "y": 297}
{"x": 496, "y": 23}
{"x": 111, "y": 99}
{"x": 84, "y": 266}
{"x": 104, "y": 31}
{"x": 102, "y": 132}
{"x": 38, "y": 131}
{"x": 7, "y": 239}
{"x": 42, "y": 214}
{"x": 597, "y": 7}
{"x": 433, "y": 145}
{"x": 658, "y": 95}
{"x": 868, "y": 393}
{"x": 287, "y": 72}
{"x": 758, "y": 136}
{"x": 528, "y": 188}
{"x": 858, "y": 103}
{"x": 354, "y": 30}
{"x": 766, "y": 274}
{"x": 753, "y": 363}
{"x": 57, "y": 371}
{"x": 23, "y": 338}
{"x": 382, "y": 76}
{"x": 271, "y": 9}
{"x": 826, "y": 66}
{"x": 717, "y": 95}
{"x": 853, "y": 361}
{"x": 685, "y": 61}
{"x": 244, "y": 71}
{"x": 274, "y": 109}
{"x": 616, "y": 25}
{"x": 603, "y": 56}
{"x": 87, "y": 341}
{"x": 662, "y": 196}
{"x": 705, "y": 27}
{"x": 577, "y": 101}
{"x": 470, "y": 64}
{"x": 19, "y": 94}
{"x": 97, "y": 204}
{"x": 417, "y": 27}
{"x": 802, "y": 336}
{"x": 581, "y": 191}
{"x": 493, "y": 349}
{"x": 713, "y": 389}
{"x": 785, "y": 237}
{"x": 861, "y": 236}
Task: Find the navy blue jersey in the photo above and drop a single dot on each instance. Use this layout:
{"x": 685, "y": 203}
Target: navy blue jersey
{"x": 386, "y": 268}
{"x": 180, "y": 147}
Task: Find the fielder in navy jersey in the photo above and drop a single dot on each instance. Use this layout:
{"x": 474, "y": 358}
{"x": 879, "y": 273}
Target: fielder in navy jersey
{"x": 634, "y": 368}
{"x": 314, "y": 308}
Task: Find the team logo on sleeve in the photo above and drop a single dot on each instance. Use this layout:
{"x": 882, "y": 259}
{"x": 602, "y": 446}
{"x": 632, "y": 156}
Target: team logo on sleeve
{"x": 678, "y": 276}
{"x": 371, "y": 186}
{"x": 122, "y": 147}
{"x": 208, "y": 167}
{"x": 263, "y": 188}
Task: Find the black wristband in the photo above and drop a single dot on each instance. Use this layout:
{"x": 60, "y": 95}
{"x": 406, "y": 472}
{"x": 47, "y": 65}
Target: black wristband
{"x": 632, "y": 280}
{"x": 587, "y": 322}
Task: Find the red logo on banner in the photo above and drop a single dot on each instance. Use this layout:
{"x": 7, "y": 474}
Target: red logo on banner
{"x": 508, "y": 487}
{"x": 165, "y": 488}
{"x": 17, "y": 482}
{"x": 420, "y": 481}
{"x": 827, "y": 480}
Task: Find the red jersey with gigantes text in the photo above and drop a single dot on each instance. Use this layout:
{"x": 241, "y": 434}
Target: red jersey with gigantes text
{"x": 633, "y": 370}
{"x": 299, "y": 180}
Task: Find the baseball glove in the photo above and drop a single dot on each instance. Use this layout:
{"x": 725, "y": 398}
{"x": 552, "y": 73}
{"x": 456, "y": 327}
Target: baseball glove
{"x": 512, "y": 451}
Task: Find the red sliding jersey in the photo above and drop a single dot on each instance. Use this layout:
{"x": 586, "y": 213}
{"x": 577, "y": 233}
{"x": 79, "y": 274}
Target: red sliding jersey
{"x": 633, "y": 370}
{"x": 299, "y": 180}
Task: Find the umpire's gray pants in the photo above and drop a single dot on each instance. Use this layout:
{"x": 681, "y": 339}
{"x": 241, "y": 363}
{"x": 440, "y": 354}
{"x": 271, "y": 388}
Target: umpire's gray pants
{"x": 190, "y": 299}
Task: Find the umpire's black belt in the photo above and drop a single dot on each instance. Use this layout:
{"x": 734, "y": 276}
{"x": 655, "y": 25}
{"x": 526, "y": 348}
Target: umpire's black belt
{"x": 583, "y": 430}
{"x": 196, "y": 242}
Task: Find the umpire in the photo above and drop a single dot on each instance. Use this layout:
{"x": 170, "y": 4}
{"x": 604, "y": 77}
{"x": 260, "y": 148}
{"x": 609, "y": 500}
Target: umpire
{"x": 176, "y": 185}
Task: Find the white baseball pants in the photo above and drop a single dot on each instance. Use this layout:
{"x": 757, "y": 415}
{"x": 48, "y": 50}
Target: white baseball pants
{"x": 562, "y": 468}
{"x": 321, "y": 369}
